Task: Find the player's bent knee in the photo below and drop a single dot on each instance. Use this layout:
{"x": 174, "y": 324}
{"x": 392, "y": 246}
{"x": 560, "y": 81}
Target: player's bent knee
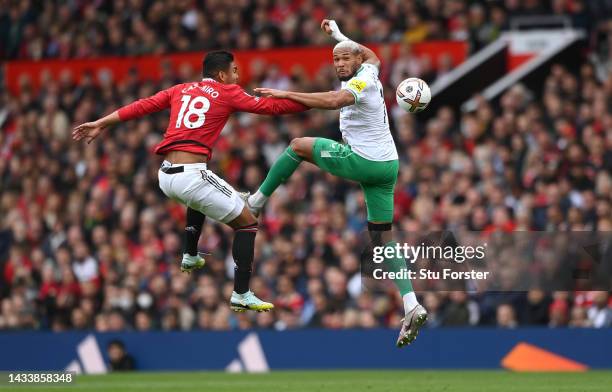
{"x": 302, "y": 146}
{"x": 245, "y": 218}
{"x": 295, "y": 145}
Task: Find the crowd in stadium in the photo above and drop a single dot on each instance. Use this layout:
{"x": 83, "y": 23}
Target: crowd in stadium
{"x": 82, "y": 29}
{"x": 94, "y": 243}
{"x": 88, "y": 241}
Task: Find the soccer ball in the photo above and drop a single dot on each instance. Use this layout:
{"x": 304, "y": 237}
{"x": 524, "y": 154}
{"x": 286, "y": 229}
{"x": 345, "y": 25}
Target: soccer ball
{"x": 413, "y": 95}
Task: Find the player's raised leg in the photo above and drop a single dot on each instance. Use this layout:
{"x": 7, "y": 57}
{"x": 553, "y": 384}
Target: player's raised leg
{"x": 243, "y": 248}
{"x": 299, "y": 149}
{"x": 193, "y": 228}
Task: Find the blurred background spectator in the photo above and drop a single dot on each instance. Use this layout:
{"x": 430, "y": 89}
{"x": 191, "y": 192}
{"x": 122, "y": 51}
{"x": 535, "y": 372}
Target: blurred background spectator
{"x": 119, "y": 359}
{"x": 83, "y": 29}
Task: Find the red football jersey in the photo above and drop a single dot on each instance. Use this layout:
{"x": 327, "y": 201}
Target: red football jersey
{"x": 199, "y": 111}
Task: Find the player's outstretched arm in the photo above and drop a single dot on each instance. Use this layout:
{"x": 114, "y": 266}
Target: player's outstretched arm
{"x": 331, "y": 100}
{"x": 331, "y": 27}
{"x": 244, "y": 102}
{"x": 91, "y": 130}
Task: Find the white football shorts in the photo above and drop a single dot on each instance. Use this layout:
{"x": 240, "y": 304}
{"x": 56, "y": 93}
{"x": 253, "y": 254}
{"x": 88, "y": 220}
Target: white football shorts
{"x": 202, "y": 190}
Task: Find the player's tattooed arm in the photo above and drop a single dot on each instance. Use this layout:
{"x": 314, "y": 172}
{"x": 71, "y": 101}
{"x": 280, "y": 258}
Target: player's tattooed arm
{"x": 331, "y": 27}
{"x": 331, "y": 100}
{"x": 91, "y": 130}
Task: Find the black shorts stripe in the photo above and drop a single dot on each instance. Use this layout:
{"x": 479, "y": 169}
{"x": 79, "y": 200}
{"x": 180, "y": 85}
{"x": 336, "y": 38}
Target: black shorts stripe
{"x": 213, "y": 179}
{"x": 222, "y": 189}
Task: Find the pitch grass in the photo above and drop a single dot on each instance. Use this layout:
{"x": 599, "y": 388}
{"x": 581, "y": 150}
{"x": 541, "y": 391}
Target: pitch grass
{"x": 351, "y": 381}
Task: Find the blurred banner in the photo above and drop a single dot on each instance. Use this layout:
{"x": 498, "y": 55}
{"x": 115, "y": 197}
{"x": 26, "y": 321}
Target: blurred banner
{"x": 310, "y": 59}
{"x": 524, "y": 349}
{"x": 525, "y": 45}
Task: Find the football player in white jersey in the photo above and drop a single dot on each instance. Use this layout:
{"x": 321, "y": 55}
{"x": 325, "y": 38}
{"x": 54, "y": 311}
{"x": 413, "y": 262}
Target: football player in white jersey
{"x": 367, "y": 155}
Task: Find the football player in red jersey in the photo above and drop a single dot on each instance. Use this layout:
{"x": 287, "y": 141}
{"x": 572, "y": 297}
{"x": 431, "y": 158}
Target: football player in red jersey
{"x": 198, "y": 113}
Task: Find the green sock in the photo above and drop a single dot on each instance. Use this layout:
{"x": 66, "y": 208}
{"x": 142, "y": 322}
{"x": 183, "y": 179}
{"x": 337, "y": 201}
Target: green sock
{"x": 395, "y": 264}
{"x": 280, "y": 171}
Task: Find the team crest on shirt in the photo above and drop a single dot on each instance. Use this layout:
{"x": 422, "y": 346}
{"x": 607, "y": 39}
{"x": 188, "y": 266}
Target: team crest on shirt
{"x": 357, "y": 84}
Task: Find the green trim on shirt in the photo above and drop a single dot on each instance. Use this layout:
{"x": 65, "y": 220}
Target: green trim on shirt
{"x": 354, "y": 94}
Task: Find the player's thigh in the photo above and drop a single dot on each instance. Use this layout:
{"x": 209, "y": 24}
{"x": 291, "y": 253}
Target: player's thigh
{"x": 165, "y": 184}
{"x": 336, "y": 158}
{"x": 211, "y": 195}
{"x": 379, "y": 201}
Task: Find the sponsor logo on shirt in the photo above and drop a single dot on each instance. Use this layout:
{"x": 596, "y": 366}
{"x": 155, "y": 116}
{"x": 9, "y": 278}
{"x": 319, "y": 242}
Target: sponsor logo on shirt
{"x": 357, "y": 84}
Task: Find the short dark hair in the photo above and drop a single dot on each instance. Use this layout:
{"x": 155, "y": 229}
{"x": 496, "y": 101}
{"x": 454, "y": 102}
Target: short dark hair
{"x": 116, "y": 342}
{"x": 216, "y": 61}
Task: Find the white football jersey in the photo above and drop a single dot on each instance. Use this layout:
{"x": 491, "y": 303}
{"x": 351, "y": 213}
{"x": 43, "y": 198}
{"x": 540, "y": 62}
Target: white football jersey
{"x": 365, "y": 125}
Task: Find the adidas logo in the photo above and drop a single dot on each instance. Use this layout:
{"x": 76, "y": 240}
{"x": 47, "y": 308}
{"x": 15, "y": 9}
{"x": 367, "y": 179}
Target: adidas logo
{"x": 252, "y": 358}
{"x": 89, "y": 359}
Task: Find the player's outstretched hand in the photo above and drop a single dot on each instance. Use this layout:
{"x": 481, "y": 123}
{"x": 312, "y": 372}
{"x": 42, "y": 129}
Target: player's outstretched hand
{"x": 270, "y": 92}
{"x": 325, "y": 26}
{"x": 88, "y": 131}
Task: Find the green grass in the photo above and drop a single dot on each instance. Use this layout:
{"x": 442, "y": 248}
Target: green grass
{"x": 351, "y": 381}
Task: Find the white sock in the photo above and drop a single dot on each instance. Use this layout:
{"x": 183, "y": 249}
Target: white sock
{"x": 258, "y": 199}
{"x": 410, "y": 301}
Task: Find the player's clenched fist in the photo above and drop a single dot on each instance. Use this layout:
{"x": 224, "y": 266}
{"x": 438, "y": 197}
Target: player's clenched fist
{"x": 325, "y": 26}
{"x": 331, "y": 27}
